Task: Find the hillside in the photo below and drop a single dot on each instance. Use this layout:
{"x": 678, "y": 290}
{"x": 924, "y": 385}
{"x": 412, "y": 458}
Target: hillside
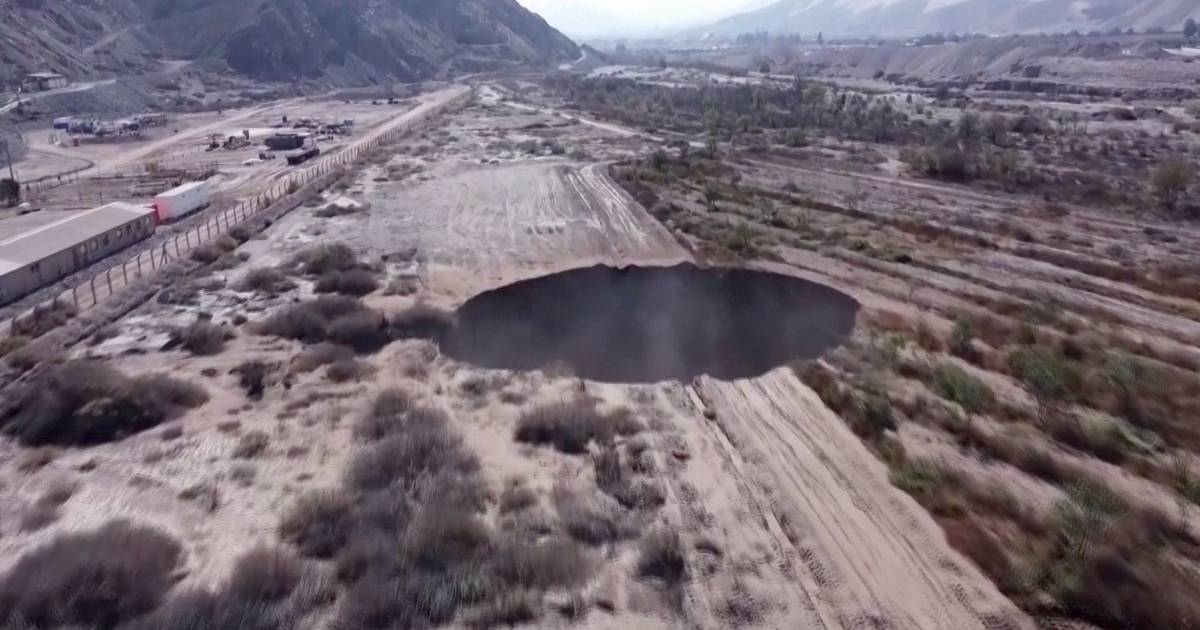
{"x": 358, "y": 41}
{"x": 899, "y": 18}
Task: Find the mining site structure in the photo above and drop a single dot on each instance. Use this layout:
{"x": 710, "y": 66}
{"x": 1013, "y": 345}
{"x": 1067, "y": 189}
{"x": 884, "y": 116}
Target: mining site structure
{"x": 280, "y": 198}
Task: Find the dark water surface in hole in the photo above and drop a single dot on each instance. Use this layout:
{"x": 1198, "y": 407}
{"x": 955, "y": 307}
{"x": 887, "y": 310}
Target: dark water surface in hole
{"x": 649, "y": 324}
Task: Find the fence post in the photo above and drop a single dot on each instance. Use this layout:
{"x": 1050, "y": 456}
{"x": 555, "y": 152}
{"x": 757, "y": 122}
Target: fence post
{"x": 187, "y": 238}
{"x": 75, "y": 296}
{"x": 125, "y": 272}
{"x": 108, "y": 277}
{"x": 93, "y": 283}
{"x": 176, "y": 248}
{"x": 207, "y": 226}
{"x": 139, "y": 261}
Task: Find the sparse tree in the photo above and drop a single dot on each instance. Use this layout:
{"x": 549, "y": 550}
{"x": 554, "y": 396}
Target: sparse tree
{"x": 1189, "y": 28}
{"x": 996, "y": 129}
{"x": 968, "y": 126}
{"x": 1170, "y": 181}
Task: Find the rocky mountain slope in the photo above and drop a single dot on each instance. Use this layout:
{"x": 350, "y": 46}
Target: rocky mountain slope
{"x": 277, "y": 40}
{"x": 916, "y": 17}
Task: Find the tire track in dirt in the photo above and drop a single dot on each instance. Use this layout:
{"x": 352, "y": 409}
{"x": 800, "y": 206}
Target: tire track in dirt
{"x": 876, "y": 557}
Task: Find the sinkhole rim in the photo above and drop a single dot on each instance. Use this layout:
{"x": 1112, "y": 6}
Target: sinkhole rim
{"x": 684, "y": 321}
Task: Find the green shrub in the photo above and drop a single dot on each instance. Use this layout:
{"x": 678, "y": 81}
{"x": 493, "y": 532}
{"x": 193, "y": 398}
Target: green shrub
{"x": 970, "y": 393}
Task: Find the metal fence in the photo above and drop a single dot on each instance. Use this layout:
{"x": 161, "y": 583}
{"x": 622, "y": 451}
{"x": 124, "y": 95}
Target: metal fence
{"x": 106, "y": 283}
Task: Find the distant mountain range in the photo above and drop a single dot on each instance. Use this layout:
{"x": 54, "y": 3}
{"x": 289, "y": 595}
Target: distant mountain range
{"x": 278, "y": 40}
{"x": 900, "y": 18}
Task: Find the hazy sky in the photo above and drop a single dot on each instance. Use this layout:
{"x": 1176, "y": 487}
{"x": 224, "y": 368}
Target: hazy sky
{"x": 631, "y": 17}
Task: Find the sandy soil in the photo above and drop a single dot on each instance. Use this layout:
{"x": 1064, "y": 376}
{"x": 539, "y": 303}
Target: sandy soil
{"x": 793, "y": 522}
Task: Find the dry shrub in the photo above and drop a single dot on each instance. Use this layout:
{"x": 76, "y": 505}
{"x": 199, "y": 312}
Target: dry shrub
{"x": 406, "y": 458}
{"x": 355, "y": 282}
{"x": 251, "y": 445}
{"x": 43, "y": 319}
{"x": 321, "y": 259}
{"x": 268, "y": 589}
{"x": 85, "y": 402}
{"x": 266, "y": 280}
{"x": 318, "y": 523}
{"x": 320, "y": 355}
{"x": 517, "y": 497}
{"x": 553, "y": 563}
{"x": 364, "y": 331}
{"x": 11, "y": 344}
{"x": 507, "y": 609}
{"x": 613, "y": 478}
{"x": 824, "y": 384}
{"x": 211, "y": 252}
{"x": 388, "y": 414}
{"x": 202, "y": 338}
{"x": 240, "y": 233}
{"x": 570, "y": 426}
{"x": 252, "y": 378}
{"x": 661, "y": 555}
{"x": 337, "y": 319}
{"x": 94, "y": 579}
{"x": 591, "y": 518}
{"x": 422, "y": 321}
{"x": 402, "y": 287}
{"x": 349, "y": 370}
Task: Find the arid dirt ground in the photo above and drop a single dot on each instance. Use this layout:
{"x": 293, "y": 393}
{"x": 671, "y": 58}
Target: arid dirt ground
{"x": 824, "y": 495}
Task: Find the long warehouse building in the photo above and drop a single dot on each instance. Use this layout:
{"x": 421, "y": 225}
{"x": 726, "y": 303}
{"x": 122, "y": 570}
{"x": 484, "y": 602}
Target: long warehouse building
{"x": 48, "y": 253}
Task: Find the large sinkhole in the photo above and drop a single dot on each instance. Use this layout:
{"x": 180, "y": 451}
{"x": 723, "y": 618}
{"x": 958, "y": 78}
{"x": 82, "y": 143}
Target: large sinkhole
{"x": 649, "y": 324}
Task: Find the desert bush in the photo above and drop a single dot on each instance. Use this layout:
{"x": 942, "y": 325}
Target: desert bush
{"x": 355, "y": 282}
{"x": 422, "y": 321}
{"x": 1171, "y": 181}
{"x": 506, "y": 609}
{"x": 338, "y": 319}
{"x": 251, "y": 445}
{"x": 1049, "y": 377}
{"x": 320, "y": 355}
{"x": 349, "y": 370}
{"x": 570, "y": 426}
{"x": 321, "y": 259}
{"x": 201, "y": 338}
{"x": 84, "y": 402}
{"x": 662, "y": 555}
{"x": 95, "y": 579}
{"x": 364, "y": 331}
{"x": 268, "y": 280}
{"x": 44, "y": 319}
{"x": 401, "y": 287}
{"x": 590, "y": 518}
{"x": 389, "y": 414}
{"x": 318, "y": 523}
{"x": 268, "y": 589}
{"x": 970, "y": 393}
{"x": 12, "y": 344}
{"x": 824, "y": 384}
{"x": 212, "y": 251}
{"x": 406, "y": 458}
{"x": 517, "y": 497}
{"x": 252, "y": 378}
{"x": 240, "y": 233}
{"x": 962, "y": 340}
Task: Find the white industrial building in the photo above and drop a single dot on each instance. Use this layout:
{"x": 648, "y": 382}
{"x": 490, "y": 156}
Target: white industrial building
{"x": 48, "y": 253}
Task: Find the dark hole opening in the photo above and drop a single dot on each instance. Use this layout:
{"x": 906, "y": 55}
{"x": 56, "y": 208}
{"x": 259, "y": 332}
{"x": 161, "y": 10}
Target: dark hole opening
{"x": 649, "y": 324}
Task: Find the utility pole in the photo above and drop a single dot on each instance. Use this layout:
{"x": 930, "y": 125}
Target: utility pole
{"x": 16, "y": 188}
{"x": 8, "y": 156}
